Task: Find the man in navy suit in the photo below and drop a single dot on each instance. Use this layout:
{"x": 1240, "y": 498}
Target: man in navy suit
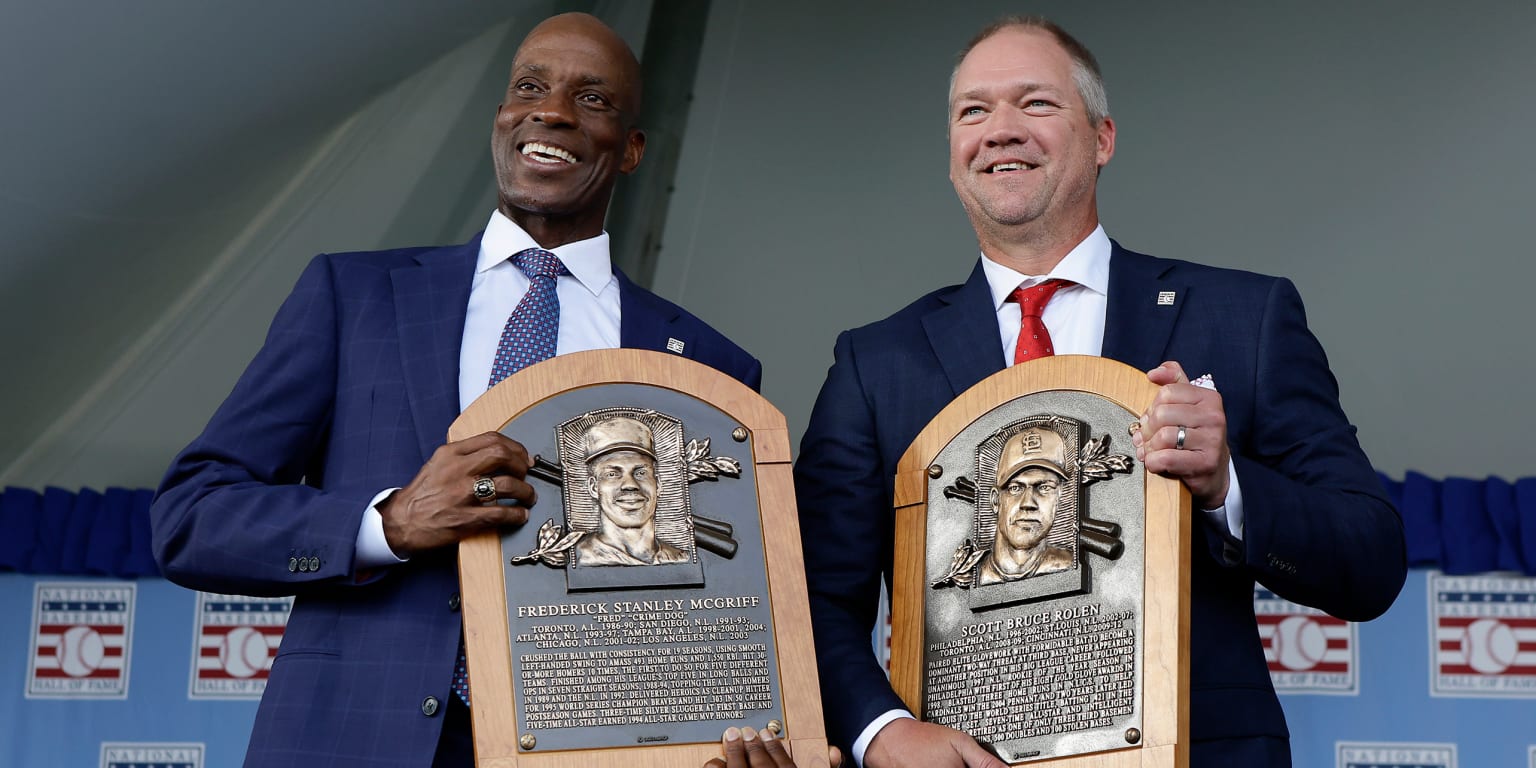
{"x": 1284, "y": 495}
{"x": 325, "y": 474}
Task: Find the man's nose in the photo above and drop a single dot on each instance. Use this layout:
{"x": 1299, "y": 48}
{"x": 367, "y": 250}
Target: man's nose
{"x": 1006, "y": 125}
{"x": 556, "y": 108}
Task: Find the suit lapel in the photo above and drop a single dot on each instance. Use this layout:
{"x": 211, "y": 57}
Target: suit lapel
{"x": 963, "y": 333}
{"x": 647, "y": 322}
{"x": 1144, "y": 302}
{"x": 431, "y": 299}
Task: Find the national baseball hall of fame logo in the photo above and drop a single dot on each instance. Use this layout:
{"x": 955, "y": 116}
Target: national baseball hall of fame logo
{"x": 1395, "y": 755}
{"x": 1484, "y": 636}
{"x": 127, "y": 755}
{"x": 236, "y": 638}
{"x": 80, "y": 639}
{"x": 1308, "y": 651}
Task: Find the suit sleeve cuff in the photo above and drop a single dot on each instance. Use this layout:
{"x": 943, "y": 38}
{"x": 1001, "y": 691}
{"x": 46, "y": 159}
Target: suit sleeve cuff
{"x": 1227, "y": 519}
{"x": 861, "y": 745}
{"x": 372, "y": 548}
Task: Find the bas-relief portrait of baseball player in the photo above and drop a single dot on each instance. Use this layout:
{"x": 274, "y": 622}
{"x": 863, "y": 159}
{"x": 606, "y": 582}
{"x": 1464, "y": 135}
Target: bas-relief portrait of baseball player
{"x": 624, "y": 476}
{"x": 622, "y": 480}
{"x": 1029, "y": 528}
{"x": 1031, "y": 478}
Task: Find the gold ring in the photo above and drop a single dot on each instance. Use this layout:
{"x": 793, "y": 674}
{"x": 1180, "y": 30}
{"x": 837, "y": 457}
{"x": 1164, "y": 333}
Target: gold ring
{"x": 1178, "y": 442}
{"x": 484, "y": 488}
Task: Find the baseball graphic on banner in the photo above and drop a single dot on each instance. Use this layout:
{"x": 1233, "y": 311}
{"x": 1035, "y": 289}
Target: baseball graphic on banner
{"x": 244, "y": 652}
{"x": 1308, "y": 651}
{"x": 81, "y": 634}
{"x": 1483, "y": 635}
{"x": 1299, "y": 643}
{"x": 234, "y": 641}
{"x": 80, "y": 651}
{"x": 1490, "y": 646}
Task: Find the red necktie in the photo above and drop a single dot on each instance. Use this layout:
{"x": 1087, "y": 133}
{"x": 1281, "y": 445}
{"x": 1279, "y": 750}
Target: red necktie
{"x": 1034, "y": 340}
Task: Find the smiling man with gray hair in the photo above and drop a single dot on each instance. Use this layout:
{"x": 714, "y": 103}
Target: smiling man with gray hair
{"x": 1283, "y": 493}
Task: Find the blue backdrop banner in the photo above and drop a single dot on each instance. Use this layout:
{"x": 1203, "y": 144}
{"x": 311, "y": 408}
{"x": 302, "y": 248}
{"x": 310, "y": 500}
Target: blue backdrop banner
{"x": 106, "y": 664}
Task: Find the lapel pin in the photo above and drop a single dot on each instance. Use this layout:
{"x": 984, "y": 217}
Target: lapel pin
{"x": 1165, "y": 298}
{"x": 675, "y": 346}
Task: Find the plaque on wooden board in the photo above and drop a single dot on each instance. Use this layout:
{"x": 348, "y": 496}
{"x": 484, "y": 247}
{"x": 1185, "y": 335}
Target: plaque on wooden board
{"x": 1040, "y": 593}
{"x": 656, "y": 596}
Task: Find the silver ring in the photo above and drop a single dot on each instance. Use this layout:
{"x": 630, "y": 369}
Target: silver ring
{"x": 484, "y": 488}
{"x": 1178, "y": 442}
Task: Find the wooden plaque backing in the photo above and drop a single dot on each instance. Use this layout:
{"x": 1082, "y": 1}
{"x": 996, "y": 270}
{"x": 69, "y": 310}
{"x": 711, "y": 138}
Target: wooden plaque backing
{"x": 1165, "y": 682}
{"x": 482, "y": 576}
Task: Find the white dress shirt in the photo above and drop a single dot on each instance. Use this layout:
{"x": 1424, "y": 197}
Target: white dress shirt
{"x": 1074, "y": 315}
{"x": 589, "y": 319}
{"x": 1075, "y": 318}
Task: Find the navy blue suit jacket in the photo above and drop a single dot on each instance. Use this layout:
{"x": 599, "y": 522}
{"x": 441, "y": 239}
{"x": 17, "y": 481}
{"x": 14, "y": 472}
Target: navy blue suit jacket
{"x": 354, "y": 389}
{"x": 1319, "y": 529}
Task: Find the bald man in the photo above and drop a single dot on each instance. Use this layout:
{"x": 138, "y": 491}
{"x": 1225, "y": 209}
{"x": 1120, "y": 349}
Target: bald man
{"x": 325, "y": 476}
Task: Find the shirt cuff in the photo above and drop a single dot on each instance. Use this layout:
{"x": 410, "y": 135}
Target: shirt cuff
{"x": 372, "y": 548}
{"x": 862, "y": 744}
{"x": 1228, "y": 518}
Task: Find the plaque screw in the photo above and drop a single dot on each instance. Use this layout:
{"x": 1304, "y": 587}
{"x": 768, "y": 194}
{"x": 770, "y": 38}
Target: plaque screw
{"x": 1132, "y": 735}
{"x": 935, "y": 471}
{"x": 1133, "y": 428}
{"x": 528, "y": 741}
{"x": 776, "y": 727}
{"x": 739, "y": 434}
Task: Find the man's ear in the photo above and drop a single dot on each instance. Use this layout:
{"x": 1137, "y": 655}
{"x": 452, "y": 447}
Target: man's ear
{"x": 634, "y": 149}
{"x": 1105, "y": 148}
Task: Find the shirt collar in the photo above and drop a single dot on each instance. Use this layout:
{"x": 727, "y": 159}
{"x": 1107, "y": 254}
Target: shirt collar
{"x": 586, "y": 259}
{"x": 1087, "y": 264}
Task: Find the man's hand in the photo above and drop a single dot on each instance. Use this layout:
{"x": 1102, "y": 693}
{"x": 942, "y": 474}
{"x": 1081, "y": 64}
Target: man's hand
{"x": 745, "y": 749}
{"x": 906, "y": 742}
{"x": 439, "y": 507}
{"x": 1202, "y": 460}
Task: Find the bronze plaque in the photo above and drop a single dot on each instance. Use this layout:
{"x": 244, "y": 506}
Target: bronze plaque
{"x": 1034, "y": 620}
{"x": 637, "y": 594}
{"x": 1032, "y": 522}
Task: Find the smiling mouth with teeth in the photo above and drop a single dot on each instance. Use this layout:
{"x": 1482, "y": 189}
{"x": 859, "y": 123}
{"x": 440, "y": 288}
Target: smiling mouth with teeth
{"x": 545, "y": 153}
{"x": 1006, "y": 167}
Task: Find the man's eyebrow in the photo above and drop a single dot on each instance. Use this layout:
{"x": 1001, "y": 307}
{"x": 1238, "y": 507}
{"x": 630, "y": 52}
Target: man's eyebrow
{"x": 981, "y": 93}
{"x": 540, "y": 69}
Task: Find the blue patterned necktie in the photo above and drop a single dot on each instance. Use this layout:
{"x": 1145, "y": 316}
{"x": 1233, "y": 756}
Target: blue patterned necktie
{"x": 528, "y": 337}
{"x": 534, "y": 326}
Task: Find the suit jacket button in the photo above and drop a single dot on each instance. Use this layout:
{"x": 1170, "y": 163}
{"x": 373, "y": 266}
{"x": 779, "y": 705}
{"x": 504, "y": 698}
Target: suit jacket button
{"x": 429, "y": 706}
{"x": 314, "y": 564}
{"x": 293, "y": 565}
{"x": 453, "y": 602}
